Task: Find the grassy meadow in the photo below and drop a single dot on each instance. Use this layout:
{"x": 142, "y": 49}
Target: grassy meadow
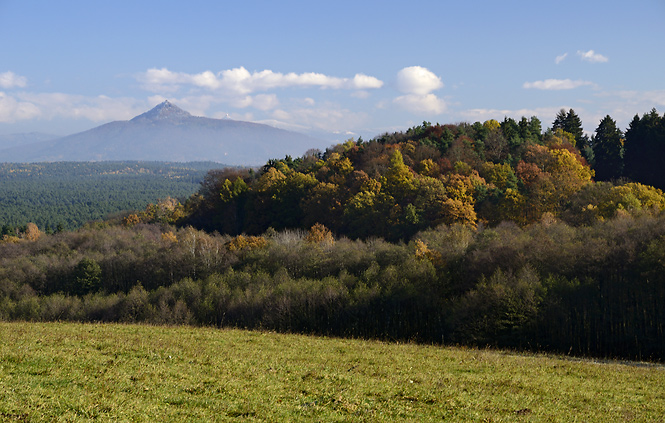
{"x": 83, "y": 372}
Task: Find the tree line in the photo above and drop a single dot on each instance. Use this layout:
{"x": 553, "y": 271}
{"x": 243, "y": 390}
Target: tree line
{"x": 594, "y": 290}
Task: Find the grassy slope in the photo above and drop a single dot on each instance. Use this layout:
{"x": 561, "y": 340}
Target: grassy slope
{"x": 76, "y": 372}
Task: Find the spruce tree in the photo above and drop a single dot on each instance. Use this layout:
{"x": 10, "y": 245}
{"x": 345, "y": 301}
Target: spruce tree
{"x": 608, "y": 150}
{"x": 571, "y": 123}
{"x": 645, "y": 149}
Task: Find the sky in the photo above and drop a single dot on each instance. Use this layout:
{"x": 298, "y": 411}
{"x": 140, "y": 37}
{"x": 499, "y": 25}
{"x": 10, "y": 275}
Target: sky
{"x": 339, "y": 69}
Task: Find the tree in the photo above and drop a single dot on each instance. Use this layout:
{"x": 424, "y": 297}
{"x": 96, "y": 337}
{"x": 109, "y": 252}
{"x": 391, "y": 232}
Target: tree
{"x": 511, "y": 131}
{"x": 496, "y": 146}
{"x": 32, "y": 232}
{"x": 87, "y": 277}
{"x": 570, "y": 122}
{"x": 645, "y": 148}
{"x": 608, "y": 150}
{"x": 530, "y": 129}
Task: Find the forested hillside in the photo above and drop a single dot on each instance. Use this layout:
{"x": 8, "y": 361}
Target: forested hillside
{"x": 491, "y": 233}
{"x": 65, "y": 195}
{"x": 481, "y": 174}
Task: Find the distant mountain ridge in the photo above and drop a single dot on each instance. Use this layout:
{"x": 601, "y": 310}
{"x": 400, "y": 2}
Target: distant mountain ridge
{"x": 168, "y": 133}
{"x": 15, "y": 140}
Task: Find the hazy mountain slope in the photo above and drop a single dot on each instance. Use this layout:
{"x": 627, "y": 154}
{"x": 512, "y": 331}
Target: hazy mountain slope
{"x": 168, "y": 133}
{"x": 15, "y": 140}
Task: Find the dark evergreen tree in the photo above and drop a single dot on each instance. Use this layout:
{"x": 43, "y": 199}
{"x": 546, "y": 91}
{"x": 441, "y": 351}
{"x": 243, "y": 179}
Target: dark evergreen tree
{"x": 536, "y": 128}
{"x": 511, "y": 131}
{"x": 571, "y": 123}
{"x": 560, "y": 120}
{"x": 608, "y": 150}
{"x": 87, "y": 277}
{"x": 645, "y": 149}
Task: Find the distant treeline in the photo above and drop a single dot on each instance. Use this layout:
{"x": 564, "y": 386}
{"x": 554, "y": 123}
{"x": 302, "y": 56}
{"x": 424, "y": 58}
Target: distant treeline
{"x": 66, "y": 195}
{"x": 592, "y": 290}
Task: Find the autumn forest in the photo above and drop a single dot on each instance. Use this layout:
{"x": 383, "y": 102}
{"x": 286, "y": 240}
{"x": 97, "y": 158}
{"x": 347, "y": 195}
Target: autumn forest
{"x": 503, "y": 234}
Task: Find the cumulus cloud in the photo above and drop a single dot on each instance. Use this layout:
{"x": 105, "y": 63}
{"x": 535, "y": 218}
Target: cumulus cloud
{"x": 164, "y": 80}
{"x": 12, "y": 110}
{"x": 592, "y": 56}
{"x": 11, "y": 80}
{"x": 241, "y": 81}
{"x": 556, "y": 84}
{"x": 560, "y": 58}
{"x": 428, "y": 103}
{"x": 417, "y": 80}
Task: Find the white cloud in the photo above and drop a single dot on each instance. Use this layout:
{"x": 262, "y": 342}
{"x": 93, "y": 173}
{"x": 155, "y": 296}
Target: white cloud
{"x": 561, "y": 58}
{"x": 428, "y": 104}
{"x": 265, "y": 101}
{"x": 281, "y": 115}
{"x": 417, "y": 80}
{"x": 624, "y": 105}
{"x": 12, "y": 110}
{"x": 163, "y": 80}
{"x": 24, "y": 106}
{"x": 592, "y": 56}
{"x": 326, "y": 117}
{"x": 261, "y": 101}
{"x": 11, "y": 80}
{"x": 241, "y": 81}
{"x": 365, "y": 82}
{"x": 556, "y": 84}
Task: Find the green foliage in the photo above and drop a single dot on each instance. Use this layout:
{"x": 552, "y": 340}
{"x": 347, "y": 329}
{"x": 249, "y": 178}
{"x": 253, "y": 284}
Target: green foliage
{"x": 66, "y": 195}
{"x": 398, "y": 184}
{"x": 608, "y": 150}
{"x": 644, "y": 148}
{"x": 584, "y": 290}
{"x": 571, "y": 123}
{"x": 87, "y": 277}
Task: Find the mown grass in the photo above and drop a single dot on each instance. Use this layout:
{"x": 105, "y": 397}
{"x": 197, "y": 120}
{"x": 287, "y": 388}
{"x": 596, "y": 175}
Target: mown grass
{"x": 84, "y": 372}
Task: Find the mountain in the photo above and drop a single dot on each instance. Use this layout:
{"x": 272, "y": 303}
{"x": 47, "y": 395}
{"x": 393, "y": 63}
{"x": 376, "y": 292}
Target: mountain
{"x": 15, "y": 140}
{"x": 168, "y": 133}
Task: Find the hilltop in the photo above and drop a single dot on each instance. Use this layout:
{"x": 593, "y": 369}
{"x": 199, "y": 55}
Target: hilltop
{"x": 168, "y": 133}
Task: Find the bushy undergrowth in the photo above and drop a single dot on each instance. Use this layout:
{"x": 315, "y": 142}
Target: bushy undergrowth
{"x": 594, "y": 290}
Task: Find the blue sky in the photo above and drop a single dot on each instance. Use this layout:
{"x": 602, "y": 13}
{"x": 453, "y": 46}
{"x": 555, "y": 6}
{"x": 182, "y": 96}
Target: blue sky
{"x": 345, "y": 67}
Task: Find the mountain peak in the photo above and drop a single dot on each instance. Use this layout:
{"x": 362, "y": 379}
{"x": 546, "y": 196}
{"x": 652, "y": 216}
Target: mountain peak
{"x": 163, "y": 111}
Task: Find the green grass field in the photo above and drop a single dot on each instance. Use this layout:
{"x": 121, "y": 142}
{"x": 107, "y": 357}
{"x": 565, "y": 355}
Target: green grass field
{"x": 83, "y": 372}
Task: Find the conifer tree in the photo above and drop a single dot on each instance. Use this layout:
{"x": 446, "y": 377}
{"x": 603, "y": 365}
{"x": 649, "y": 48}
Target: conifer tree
{"x": 645, "y": 149}
{"x": 608, "y": 150}
{"x": 570, "y": 122}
